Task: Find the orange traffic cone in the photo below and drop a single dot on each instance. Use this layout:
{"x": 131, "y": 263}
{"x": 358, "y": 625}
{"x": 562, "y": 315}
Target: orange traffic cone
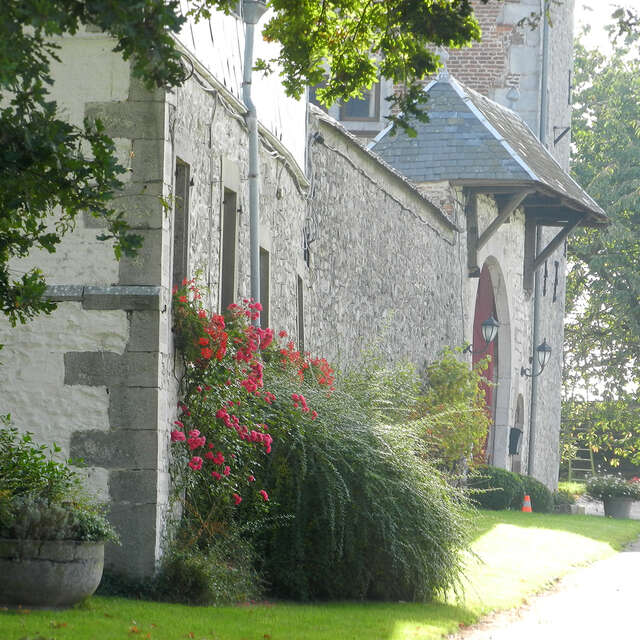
{"x": 526, "y": 505}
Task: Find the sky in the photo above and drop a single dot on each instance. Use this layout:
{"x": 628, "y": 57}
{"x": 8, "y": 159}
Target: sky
{"x": 597, "y": 13}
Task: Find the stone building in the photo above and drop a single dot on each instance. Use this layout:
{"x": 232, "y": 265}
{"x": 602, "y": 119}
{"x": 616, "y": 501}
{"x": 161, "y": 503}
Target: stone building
{"x": 351, "y": 239}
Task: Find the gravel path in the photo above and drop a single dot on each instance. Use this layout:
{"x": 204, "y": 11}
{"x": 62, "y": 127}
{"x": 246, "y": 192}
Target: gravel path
{"x": 598, "y": 602}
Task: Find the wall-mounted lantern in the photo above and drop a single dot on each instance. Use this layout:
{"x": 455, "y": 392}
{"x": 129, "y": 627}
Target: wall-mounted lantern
{"x": 543, "y": 352}
{"x": 489, "y": 332}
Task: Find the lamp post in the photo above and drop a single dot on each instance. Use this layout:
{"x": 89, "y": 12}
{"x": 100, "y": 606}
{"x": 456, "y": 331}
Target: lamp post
{"x": 489, "y": 330}
{"x": 543, "y": 353}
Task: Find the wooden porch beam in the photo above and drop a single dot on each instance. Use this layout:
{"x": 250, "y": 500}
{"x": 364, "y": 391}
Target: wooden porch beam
{"x": 471, "y": 214}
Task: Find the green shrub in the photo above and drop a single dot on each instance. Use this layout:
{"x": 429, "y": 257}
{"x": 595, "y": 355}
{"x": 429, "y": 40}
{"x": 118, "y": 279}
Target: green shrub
{"x": 371, "y": 518}
{"x": 610, "y": 486}
{"x": 41, "y": 498}
{"x": 453, "y": 409}
{"x": 541, "y": 497}
{"x": 563, "y": 498}
{"x": 221, "y": 574}
{"x": 494, "y": 488}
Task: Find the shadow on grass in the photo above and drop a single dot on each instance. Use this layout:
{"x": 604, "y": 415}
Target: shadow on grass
{"x": 614, "y": 532}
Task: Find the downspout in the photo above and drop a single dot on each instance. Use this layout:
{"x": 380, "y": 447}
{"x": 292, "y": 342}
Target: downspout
{"x": 537, "y": 301}
{"x": 252, "y": 11}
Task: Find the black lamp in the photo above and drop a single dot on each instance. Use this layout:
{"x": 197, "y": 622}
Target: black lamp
{"x": 489, "y": 332}
{"x": 543, "y": 352}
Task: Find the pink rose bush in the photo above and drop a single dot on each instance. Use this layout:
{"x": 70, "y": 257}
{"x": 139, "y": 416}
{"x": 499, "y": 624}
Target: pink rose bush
{"x": 221, "y": 429}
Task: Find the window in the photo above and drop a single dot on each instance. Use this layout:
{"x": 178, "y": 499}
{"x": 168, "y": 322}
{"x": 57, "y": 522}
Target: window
{"x": 229, "y": 248}
{"x": 365, "y": 108}
{"x": 300, "y": 318}
{"x": 181, "y": 222}
{"x": 264, "y": 287}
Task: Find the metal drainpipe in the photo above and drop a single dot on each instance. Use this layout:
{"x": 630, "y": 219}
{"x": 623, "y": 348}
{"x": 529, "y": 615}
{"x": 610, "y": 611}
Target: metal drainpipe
{"x": 252, "y": 11}
{"x": 537, "y": 301}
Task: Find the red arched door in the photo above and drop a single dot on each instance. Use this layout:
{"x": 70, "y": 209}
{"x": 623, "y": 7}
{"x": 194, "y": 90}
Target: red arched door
{"x": 485, "y": 307}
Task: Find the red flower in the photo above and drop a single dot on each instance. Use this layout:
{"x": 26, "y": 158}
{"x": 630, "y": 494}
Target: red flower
{"x": 264, "y": 494}
{"x": 177, "y": 436}
{"x": 283, "y": 334}
{"x": 251, "y": 479}
{"x": 182, "y": 298}
{"x": 206, "y": 353}
{"x": 203, "y": 341}
{"x": 237, "y": 499}
{"x": 216, "y": 475}
{"x": 196, "y": 463}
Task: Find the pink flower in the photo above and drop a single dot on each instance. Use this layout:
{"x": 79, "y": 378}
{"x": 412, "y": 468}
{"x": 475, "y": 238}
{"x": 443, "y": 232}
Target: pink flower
{"x": 216, "y": 475}
{"x": 194, "y": 442}
{"x": 251, "y": 479}
{"x": 196, "y": 463}
{"x": 194, "y": 433}
{"x": 178, "y": 424}
{"x": 264, "y": 494}
{"x": 314, "y": 415}
{"x": 237, "y": 499}
{"x": 227, "y": 470}
{"x": 177, "y": 436}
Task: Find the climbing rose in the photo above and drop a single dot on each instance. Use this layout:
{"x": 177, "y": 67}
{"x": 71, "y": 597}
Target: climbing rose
{"x": 177, "y": 436}
{"x": 237, "y": 499}
{"x": 264, "y": 494}
{"x": 196, "y": 463}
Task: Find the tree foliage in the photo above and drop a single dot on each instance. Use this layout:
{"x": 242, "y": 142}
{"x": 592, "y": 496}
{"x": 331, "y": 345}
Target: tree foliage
{"x": 603, "y": 331}
{"x": 610, "y": 428}
{"x": 51, "y": 170}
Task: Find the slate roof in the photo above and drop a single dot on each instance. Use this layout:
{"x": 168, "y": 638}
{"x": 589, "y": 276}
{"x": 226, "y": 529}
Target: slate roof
{"x": 472, "y": 140}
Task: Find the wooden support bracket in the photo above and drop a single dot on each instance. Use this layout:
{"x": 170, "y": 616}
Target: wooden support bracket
{"x": 558, "y": 239}
{"x": 533, "y": 257}
{"x": 505, "y": 211}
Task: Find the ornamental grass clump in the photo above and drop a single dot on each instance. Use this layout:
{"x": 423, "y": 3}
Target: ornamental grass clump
{"x": 372, "y": 519}
{"x": 613, "y": 486}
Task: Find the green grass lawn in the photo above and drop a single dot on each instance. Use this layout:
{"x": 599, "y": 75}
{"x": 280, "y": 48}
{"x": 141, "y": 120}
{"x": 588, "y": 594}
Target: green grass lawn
{"x": 574, "y": 487}
{"x": 514, "y": 556}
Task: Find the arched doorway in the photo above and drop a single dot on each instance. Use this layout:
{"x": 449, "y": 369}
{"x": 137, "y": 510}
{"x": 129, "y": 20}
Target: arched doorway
{"x": 492, "y": 297}
{"x": 485, "y": 307}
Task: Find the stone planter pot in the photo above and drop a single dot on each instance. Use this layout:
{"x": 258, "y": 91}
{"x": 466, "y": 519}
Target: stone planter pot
{"x": 48, "y": 573}
{"x": 619, "y": 507}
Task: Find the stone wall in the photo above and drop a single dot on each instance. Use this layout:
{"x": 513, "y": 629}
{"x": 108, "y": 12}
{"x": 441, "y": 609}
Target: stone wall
{"x": 90, "y": 376}
{"x": 385, "y": 264}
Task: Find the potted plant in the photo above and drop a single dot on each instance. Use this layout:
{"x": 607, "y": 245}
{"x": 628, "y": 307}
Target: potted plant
{"x": 52, "y": 533}
{"x": 616, "y": 493}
